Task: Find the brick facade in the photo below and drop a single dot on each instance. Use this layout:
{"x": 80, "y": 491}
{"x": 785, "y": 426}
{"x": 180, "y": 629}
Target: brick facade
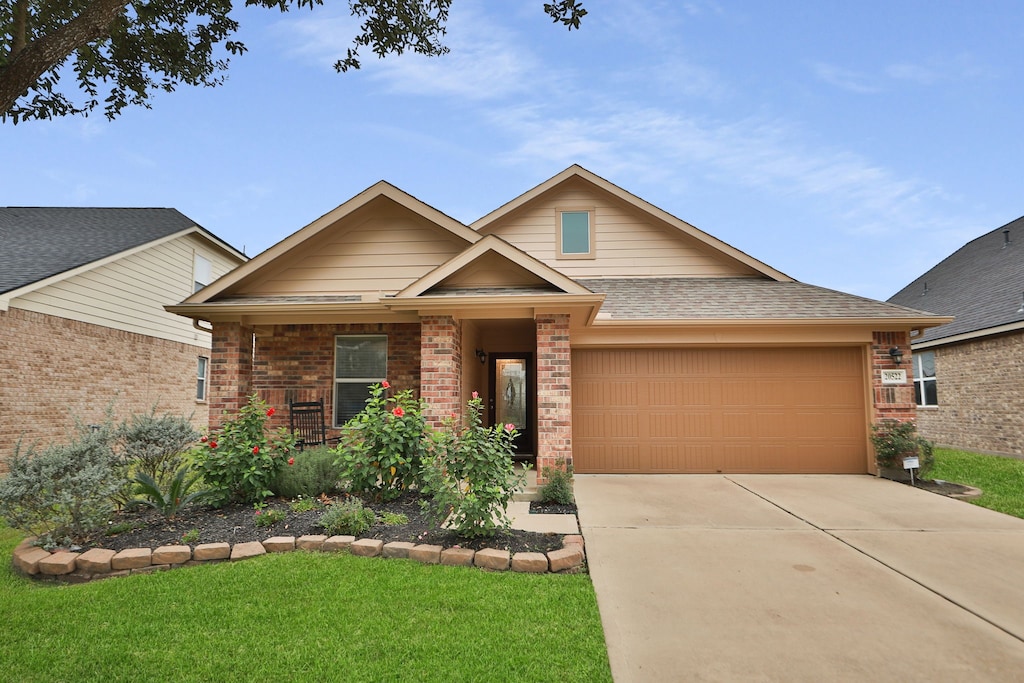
{"x": 296, "y": 363}
{"x": 891, "y": 402}
{"x": 554, "y": 392}
{"x": 441, "y": 367}
{"x": 981, "y": 394}
{"x": 54, "y": 370}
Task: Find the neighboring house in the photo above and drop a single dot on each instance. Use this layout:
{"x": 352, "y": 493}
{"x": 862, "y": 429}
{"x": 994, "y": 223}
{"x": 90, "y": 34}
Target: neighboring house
{"x": 613, "y": 334}
{"x": 82, "y": 323}
{"x": 970, "y": 372}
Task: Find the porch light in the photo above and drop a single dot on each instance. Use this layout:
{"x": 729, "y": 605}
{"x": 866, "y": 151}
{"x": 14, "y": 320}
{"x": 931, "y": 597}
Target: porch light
{"x": 896, "y": 354}
{"x": 481, "y": 355}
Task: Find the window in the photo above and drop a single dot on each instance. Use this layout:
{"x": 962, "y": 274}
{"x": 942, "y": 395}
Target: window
{"x": 200, "y": 273}
{"x": 925, "y": 389}
{"x": 359, "y": 361}
{"x": 204, "y": 363}
{"x": 575, "y": 234}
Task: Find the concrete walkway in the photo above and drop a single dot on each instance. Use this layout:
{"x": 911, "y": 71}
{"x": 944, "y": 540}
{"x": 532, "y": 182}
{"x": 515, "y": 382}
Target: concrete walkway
{"x": 801, "y": 578}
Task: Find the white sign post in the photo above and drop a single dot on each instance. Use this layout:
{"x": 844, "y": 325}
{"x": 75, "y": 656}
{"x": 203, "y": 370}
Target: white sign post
{"x": 911, "y": 464}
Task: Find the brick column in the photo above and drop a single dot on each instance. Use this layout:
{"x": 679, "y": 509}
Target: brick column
{"x": 892, "y": 402}
{"x": 440, "y": 367}
{"x": 230, "y": 369}
{"x": 554, "y": 392}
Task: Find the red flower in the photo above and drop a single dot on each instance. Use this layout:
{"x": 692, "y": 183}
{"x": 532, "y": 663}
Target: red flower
{"x": 255, "y": 450}
{"x": 270, "y": 412}
{"x": 259, "y": 512}
{"x": 204, "y": 439}
{"x": 385, "y": 384}
{"x": 291, "y": 461}
{"x": 213, "y": 444}
{"x": 476, "y": 394}
{"x": 509, "y": 427}
{"x": 398, "y": 412}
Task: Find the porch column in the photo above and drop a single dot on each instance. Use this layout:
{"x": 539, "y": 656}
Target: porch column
{"x": 440, "y": 367}
{"x": 230, "y": 369}
{"x": 891, "y": 402}
{"x": 554, "y": 392}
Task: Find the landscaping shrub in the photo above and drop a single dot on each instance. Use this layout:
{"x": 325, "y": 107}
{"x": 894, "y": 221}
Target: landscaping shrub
{"x": 383, "y": 446}
{"x": 239, "y": 460}
{"x": 63, "y": 493}
{"x": 471, "y": 477}
{"x": 348, "y": 518}
{"x": 156, "y": 445}
{"x": 170, "y": 500}
{"x": 894, "y": 440}
{"x": 313, "y": 472}
{"x": 558, "y": 485}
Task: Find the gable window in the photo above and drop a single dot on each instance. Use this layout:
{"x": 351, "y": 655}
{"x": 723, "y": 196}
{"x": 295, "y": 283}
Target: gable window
{"x": 925, "y": 388}
{"x": 575, "y": 234}
{"x": 200, "y": 273}
{"x": 201, "y": 371}
{"x": 359, "y": 361}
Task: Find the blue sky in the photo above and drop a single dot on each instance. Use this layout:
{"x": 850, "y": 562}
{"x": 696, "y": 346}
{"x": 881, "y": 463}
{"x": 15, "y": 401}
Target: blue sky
{"x": 849, "y": 145}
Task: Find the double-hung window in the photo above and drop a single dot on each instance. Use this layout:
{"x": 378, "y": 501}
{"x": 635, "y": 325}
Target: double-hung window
{"x": 201, "y": 273}
{"x": 925, "y": 388}
{"x": 359, "y": 361}
{"x": 201, "y": 373}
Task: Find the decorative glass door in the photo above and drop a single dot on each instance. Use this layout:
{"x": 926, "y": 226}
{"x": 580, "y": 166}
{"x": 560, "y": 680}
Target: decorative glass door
{"x": 511, "y": 397}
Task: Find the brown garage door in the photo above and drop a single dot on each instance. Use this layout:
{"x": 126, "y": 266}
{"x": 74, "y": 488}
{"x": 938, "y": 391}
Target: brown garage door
{"x": 719, "y": 410}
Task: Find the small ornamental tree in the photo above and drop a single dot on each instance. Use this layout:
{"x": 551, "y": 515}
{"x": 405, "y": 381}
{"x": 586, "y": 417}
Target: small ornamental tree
{"x": 382, "y": 450}
{"x": 471, "y": 477}
{"x": 239, "y": 460}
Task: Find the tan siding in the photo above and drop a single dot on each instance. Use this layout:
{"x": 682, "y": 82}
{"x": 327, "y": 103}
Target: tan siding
{"x": 719, "y": 410}
{"x": 627, "y": 242}
{"x": 129, "y": 294}
{"x": 385, "y": 253}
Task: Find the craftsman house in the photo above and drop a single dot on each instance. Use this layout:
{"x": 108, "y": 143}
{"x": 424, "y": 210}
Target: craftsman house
{"x": 82, "y": 323}
{"x": 612, "y": 333}
{"x": 969, "y": 374}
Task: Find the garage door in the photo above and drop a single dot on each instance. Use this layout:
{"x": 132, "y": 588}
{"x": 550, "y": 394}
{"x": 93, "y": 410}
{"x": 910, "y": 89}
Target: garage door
{"x": 719, "y": 410}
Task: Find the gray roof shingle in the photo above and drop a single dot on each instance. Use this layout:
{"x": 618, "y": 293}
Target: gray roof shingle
{"x": 981, "y": 284}
{"x": 37, "y": 243}
{"x": 665, "y": 298}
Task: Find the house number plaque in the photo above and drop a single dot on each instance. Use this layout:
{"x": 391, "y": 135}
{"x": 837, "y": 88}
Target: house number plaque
{"x": 894, "y": 376}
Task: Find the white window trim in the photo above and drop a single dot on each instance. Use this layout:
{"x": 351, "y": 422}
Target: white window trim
{"x": 591, "y": 215}
{"x": 365, "y": 381}
{"x": 203, "y": 377}
{"x": 202, "y": 271}
{"x": 920, "y": 380}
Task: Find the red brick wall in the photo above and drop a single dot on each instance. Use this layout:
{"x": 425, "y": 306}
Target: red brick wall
{"x": 981, "y": 393}
{"x": 441, "y": 367}
{"x": 554, "y": 392}
{"x": 53, "y": 370}
{"x": 296, "y": 363}
{"x": 892, "y": 402}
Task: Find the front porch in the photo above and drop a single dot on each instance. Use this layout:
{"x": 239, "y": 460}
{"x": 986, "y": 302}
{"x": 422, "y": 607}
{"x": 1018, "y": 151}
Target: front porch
{"x": 520, "y": 367}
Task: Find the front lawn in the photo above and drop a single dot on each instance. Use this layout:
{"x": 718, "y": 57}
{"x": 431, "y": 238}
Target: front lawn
{"x": 302, "y": 617}
{"x": 1000, "y": 479}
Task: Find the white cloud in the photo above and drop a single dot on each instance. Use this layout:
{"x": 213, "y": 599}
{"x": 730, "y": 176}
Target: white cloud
{"x": 846, "y": 79}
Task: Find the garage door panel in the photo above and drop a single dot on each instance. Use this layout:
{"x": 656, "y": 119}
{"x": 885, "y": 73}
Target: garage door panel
{"x": 719, "y": 410}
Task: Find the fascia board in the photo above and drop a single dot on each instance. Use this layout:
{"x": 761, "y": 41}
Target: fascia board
{"x": 968, "y": 336}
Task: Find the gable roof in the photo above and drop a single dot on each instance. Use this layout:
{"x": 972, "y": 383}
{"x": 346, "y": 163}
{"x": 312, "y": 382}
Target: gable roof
{"x": 981, "y": 285}
{"x": 37, "y": 243}
{"x": 576, "y": 171}
{"x": 380, "y": 190}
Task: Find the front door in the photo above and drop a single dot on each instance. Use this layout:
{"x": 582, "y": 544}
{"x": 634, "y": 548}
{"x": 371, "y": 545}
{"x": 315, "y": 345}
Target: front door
{"x": 512, "y": 397}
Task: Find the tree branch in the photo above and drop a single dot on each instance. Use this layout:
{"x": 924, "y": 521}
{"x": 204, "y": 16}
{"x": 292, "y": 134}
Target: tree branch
{"x": 32, "y": 60}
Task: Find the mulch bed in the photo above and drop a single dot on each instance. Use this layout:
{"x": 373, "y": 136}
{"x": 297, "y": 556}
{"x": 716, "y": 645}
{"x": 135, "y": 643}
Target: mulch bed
{"x": 236, "y": 524}
{"x": 943, "y": 488}
{"x": 539, "y": 508}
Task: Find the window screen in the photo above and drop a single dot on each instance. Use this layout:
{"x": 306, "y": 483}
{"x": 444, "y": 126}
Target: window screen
{"x": 575, "y": 233}
{"x": 359, "y": 361}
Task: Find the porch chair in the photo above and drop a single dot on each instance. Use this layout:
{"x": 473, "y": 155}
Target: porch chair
{"x": 307, "y": 419}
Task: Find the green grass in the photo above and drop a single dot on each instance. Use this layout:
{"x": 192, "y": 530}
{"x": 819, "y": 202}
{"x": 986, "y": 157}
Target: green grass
{"x": 1000, "y": 479}
{"x": 302, "y": 617}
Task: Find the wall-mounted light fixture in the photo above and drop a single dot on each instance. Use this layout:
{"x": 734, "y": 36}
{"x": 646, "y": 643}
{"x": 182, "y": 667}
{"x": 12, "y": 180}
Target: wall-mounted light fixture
{"x": 896, "y": 354}
{"x": 481, "y": 355}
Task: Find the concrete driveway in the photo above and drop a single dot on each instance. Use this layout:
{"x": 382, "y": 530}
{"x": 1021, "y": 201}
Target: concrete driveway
{"x": 801, "y": 578}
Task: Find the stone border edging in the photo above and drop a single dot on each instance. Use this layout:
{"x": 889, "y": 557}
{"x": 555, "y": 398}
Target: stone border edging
{"x": 103, "y": 563}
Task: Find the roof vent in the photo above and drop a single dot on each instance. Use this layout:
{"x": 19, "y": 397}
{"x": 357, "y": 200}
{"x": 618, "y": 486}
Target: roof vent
{"x": 925, "y": 289}
{"x": 1006, "y": 237}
